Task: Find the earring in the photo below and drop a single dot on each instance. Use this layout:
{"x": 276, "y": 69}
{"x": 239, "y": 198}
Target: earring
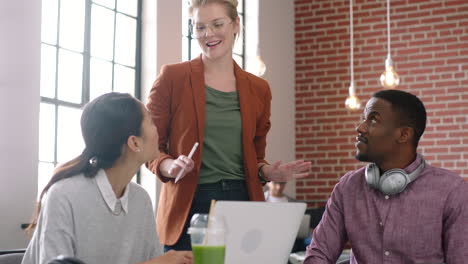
{"x": 138, "y": 150}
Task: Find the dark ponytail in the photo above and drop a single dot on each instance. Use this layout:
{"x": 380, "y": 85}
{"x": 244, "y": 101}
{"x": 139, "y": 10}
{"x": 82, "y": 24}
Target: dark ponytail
{"x": 106, "y": 124}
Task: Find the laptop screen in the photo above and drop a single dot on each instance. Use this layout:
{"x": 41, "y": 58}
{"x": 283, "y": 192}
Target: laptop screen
{"x": 259, "y": 232}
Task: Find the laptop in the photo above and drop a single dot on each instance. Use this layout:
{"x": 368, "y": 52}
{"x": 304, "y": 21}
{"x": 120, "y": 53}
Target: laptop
{"x": 259, "y": 232}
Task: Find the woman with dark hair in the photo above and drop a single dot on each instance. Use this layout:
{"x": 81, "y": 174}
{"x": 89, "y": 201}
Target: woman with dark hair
{"x": 92, "y": 210}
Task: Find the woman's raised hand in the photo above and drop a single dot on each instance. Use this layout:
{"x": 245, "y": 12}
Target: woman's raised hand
{"x": 172, "y": 167}
{"x": 279, "y": 172}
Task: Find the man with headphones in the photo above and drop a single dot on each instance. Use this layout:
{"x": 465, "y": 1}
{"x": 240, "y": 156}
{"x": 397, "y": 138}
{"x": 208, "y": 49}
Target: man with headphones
{"x": 398, "y": 209}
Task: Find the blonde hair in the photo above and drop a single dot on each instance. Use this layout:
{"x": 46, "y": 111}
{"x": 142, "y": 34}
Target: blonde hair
{"x": 229, "y": 5}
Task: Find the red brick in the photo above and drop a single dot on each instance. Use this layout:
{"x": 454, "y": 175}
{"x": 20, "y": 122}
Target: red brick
{"x": 371, "y": 20}
{"x": 459, "y": 75}
{"x": 447, "y": 69}
{"x": 421, "y": 71}
{"x": 304, "y": 41}
{"x": 421, "y": 78}
{"x": 447, "y": 54}
{"x": 337, "y": 17}
{"x": 410, "y": 65}
{"x": 456, "y": 17}
{"x": 431, "y": 6}
{"x": 462, "y": 9}
{"x": 448, "y": 157}
{"x": 325, "y": 190}
{"x": 432, "y": 63}
{"x": 338, "y": 31}
{"x": 448, "y": 142}
{"x": 447, "y": 83}
{"x": 459, "y": 60}
{"x": 325, "y": 12}
{"x": 443, "y": 11}
{"x": 327, "y": 39}
{"x": 421, "y": 56}
{"x": 421, "y": 43}
{"x": 406, "y": 23}
{"x": 432, "y": 20}
{"x": 462, "y": 150}
{"x": 446, "y": 26}
{"x": 304, "y": 28}
{"x": 420, "y": 29}
{"x": 436, "y": 150}
{"x": 445, "y": 40}
{"x": 455, "y": 2}
{"x": 457, "y": 46}
{"x": 408, "y": 51}
{"x": 463, "y": 38}
{"x": 461, "y": 104}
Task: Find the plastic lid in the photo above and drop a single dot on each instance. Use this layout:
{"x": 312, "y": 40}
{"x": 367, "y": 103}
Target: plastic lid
{"x": 199, "y": 221}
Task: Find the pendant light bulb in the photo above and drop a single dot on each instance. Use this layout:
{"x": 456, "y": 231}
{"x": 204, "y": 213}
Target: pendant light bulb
{"x": 352, "y": 102}
{"x": 389, "y": 78}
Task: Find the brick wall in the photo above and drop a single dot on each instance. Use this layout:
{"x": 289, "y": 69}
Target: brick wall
{"x": 430, "y": 52}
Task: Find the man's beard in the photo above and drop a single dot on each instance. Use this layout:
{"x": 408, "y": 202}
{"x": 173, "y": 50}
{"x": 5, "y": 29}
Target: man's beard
{"x": 362, "y": 157}
{"x": 372, "y": 157}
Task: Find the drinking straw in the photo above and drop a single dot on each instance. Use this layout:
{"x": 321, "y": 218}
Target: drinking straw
{"x": 205, "y": 239}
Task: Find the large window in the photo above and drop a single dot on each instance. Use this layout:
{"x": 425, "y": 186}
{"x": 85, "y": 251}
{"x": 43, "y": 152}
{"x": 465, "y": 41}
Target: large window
{"x": 190, "y": 48}
{"x": 89, "y": 47}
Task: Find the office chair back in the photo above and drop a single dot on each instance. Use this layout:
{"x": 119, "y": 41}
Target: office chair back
{"x": 11, "y": 258}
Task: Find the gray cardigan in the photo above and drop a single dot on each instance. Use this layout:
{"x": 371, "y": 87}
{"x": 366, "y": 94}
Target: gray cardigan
{"x": 76, "y": 221}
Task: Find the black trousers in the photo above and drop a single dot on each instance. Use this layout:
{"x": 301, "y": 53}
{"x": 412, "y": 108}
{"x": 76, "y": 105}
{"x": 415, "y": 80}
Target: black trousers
{"x": 224, "y": 190}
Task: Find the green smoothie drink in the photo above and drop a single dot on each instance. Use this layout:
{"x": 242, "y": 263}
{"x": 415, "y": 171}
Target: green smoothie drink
{"x": 208, "y": 254}
{"x": 207, "y": 235}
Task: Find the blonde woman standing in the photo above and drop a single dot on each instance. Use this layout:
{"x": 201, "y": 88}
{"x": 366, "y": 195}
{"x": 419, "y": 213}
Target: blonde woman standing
{"x": 211, "y": 100}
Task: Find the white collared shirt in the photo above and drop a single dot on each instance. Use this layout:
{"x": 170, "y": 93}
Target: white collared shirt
{"x": 115, "y": 205}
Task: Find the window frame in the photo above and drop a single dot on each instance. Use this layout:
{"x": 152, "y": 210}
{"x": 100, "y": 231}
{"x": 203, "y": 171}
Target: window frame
{"x": 86, "y": 66}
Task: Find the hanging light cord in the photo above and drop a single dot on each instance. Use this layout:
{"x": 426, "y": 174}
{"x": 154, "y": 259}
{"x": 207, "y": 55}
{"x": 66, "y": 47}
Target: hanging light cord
{"x": 351, "y": 38}
{"x": 388, "y": 27}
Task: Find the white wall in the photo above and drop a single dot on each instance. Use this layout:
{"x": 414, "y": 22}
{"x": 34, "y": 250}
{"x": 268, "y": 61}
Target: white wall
{"x": 20, "y": 22}
{"x": 276, "y": 41}
{"x": 19, "y": 92}
{"x": 158, "y": 49}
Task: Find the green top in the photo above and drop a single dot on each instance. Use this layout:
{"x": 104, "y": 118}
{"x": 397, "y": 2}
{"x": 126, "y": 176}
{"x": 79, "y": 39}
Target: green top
{"x": 222, "y": 146}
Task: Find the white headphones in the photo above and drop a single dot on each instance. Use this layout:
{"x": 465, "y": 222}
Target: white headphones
{"x": 392, "y": 181}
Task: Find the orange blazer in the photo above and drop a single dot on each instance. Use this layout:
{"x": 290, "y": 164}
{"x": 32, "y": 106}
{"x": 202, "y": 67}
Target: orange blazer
{"x": 177, "y": 105}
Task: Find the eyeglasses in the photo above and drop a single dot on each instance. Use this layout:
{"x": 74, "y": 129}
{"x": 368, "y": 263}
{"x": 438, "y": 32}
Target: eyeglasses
{"x": 218, "y": 26}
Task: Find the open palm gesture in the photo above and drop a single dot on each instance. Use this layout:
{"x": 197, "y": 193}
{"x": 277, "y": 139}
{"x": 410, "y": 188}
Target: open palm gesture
{"x": 279, "y": 172}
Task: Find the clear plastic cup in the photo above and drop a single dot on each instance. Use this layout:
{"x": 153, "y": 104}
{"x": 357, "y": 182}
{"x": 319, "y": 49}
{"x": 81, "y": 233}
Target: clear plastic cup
{"x": 208, "y": 239}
